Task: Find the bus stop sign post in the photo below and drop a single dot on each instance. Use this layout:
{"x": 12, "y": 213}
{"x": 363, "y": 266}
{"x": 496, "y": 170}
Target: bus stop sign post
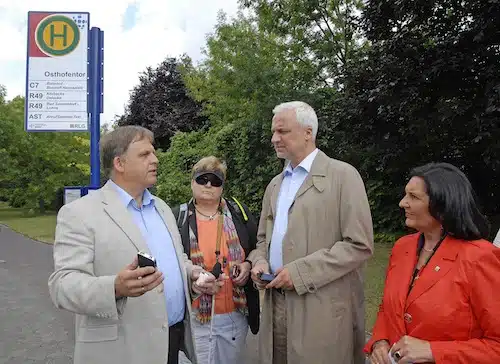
{"x": 96, "y": 98}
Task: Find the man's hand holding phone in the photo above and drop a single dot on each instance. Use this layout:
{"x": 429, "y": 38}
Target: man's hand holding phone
{"x": 282, "y": 280}
{"x": 134, "y": 281}
{"x": 260, "y": 268}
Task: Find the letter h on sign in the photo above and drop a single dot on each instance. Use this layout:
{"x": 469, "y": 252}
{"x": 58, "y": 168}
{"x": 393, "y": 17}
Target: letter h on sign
{"x": 54, "y": 35}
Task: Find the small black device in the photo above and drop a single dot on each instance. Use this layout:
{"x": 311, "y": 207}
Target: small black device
{"x": 235, "y": 272}
{"x": 266, "y": 277}
{"x": 217, "y": 270}
{"x": 146, "y": 260}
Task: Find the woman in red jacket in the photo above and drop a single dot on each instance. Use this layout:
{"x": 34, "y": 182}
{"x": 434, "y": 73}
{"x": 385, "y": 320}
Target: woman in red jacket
{"x": 441, "y": 300}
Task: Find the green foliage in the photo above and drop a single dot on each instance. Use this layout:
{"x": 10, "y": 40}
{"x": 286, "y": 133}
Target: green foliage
{"x": 238, "y": 102}
{"x": 387, "y": 238}
{"x": 417, "y": 83}
{"x": 36, "y": 165}
{"x": 427, "y": 91}
{"x": 162, "y": 104}
{"x": 322, "y": 35}
{"x": 382, "y": 209}
{"x": 250, "y": 67}
{"x": 175, "y": 166}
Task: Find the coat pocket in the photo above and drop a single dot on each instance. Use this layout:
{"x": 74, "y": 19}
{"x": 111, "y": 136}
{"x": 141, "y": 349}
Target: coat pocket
{"x": 328, "y": 328}
{"x": 97, "y": 333}
{"x": 338, "y": 308}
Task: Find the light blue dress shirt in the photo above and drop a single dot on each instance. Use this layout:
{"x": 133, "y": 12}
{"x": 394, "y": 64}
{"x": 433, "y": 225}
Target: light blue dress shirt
{"x": 293, "y": 178}
{"x": 161, "y": 246}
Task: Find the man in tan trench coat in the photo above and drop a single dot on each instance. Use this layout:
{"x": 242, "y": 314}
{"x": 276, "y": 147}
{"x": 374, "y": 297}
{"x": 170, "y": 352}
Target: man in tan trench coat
{"x": 315, "y": 234}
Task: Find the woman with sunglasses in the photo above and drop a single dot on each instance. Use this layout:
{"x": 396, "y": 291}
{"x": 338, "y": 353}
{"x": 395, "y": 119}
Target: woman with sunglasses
{"x": 218, "y": 235}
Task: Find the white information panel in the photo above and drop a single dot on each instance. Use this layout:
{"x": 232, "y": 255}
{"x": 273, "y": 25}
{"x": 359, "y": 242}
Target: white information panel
{"x": 57, "y": 72}
{"x": 72, "y": 194}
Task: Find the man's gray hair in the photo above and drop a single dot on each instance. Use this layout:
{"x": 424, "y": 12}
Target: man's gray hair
{"x": 305, "y": 114}
{"x": 116, "y": 143}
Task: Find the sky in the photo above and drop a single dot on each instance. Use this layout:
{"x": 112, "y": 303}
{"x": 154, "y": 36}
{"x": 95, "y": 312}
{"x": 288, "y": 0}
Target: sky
{"x": 137, "y": 34}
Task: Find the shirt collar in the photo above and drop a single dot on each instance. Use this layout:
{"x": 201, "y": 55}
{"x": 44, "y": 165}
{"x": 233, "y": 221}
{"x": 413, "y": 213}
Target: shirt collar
{"x": 147, "y": 197}
{"x": 306, "y": 163}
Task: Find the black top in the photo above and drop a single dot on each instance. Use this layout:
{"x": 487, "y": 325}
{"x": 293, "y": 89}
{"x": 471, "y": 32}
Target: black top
{"x": 247, "y": 233}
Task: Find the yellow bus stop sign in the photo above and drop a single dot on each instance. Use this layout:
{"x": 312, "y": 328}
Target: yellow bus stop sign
{"x": 57, "y": 35}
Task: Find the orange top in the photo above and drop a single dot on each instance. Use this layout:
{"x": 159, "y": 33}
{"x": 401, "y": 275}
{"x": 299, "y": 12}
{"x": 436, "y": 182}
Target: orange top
{"x": 207, "y": 239}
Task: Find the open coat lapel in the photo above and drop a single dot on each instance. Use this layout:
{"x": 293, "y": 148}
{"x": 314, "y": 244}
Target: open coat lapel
{"x": 171, "y": 225}
{"x": 402, "y": 265}
{"x": 440, "y": 264}
{"x": 116, "y": 210}
{"x": 275, "y": 192}
{"x": 315, "y": 177}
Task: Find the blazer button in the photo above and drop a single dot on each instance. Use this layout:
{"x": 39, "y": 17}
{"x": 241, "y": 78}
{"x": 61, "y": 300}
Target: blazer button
{"x": 164, "y": 327}
{"x": 408, "y": 318}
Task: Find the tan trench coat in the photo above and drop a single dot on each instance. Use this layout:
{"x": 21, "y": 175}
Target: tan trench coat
{"x": 329, "y": 238}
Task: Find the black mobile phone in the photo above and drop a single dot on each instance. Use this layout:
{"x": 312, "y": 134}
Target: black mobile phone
{"x": 235, "y": 271}
{"x": 266, "y": 277}
{"x": 146, "y": 260}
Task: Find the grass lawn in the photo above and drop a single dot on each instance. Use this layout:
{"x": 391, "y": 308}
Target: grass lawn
{"x": 42, "y": 227}
{"x": 374, "y": 282}
{"x": 38, "y": 227}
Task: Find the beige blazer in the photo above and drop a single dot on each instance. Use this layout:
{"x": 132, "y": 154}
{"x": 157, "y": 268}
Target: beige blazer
{"x": 95, "y": 239}
{"x": 329, "y": 237}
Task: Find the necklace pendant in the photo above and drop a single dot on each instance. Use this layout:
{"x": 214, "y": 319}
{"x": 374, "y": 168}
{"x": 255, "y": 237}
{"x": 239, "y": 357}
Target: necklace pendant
{"x": 209, "y": 217}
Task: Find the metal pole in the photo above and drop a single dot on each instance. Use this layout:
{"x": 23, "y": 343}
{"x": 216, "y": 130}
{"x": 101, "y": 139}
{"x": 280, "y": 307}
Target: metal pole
{"x": 96, "y": 60}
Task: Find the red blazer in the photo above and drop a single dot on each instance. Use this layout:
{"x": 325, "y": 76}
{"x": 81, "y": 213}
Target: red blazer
{"x": 455, "y": 304}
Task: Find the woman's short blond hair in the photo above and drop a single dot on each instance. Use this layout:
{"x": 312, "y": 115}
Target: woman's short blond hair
{"x": 208, "y": 164}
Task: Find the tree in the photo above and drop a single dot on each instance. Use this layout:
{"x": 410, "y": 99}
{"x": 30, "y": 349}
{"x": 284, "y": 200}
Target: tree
{"x": 249, "y": 68}
{"x": 321, "y": 41}
{"x": 427, "y": 91}
{"x": 417, "y": 83}
{"x": 162, "y": 104}
{"x": 35, "y": 166}
{"x": 323, "y": 34}
{"x": 238, "y": 101}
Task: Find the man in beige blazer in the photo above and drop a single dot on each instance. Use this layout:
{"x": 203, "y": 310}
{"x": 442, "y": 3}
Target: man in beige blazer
{"x": 315, "y": 233}
{"x": 125, "y": 314}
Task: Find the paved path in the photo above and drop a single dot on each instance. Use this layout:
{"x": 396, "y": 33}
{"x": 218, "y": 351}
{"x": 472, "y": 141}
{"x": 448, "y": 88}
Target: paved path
{"x": 32, "y": 330}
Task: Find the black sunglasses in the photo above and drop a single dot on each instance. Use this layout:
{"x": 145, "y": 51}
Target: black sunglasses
{"x": 204, "y": 179}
